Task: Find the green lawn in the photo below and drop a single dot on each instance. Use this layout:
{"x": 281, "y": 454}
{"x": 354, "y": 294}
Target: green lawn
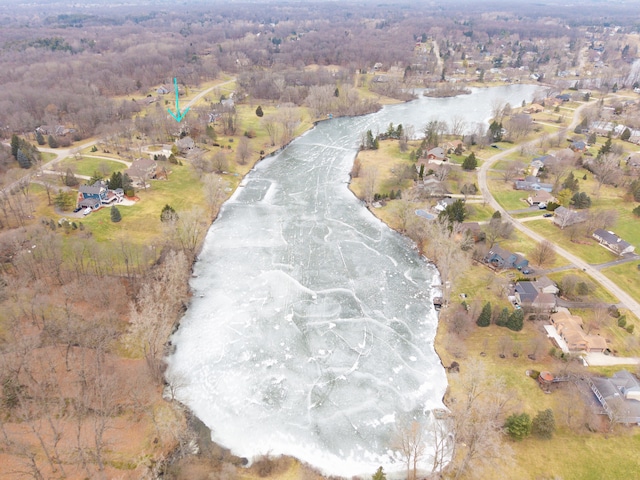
{"x": 626, "y": 276}
{"x": 599, "y": 293}
{"x": 141, "y": 222}
{"x": 505, "y": 195}
{"x": 588, "y": 249}
{"x": 89, "y": 165}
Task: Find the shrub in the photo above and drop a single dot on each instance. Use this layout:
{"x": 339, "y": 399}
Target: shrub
{"x": 630, "y": 328}
{"x": 636, "y": 211}
{"x": 115, "y": 214}
{"x": 484, "y": 319}
{"x": 518, "y": 426}
{"x": 544, "y": 424}
{"x": 622, "y": 321}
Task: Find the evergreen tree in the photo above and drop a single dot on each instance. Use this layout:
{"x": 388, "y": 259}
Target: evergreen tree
{"x": 53, "y": 143}
{"x": 516, "y": 320}
{"x": 495, "y": 131}
{"x": 484, "y": 319}
{"x": 96, "y": 177}
{"x": 64, "y": 200}
{"x": 379, "y": 475}
{"x": 259, "y": 111}
{"x": 40, "y": 138}
{"x": 455, "y": 212}
{"x": 518, "y": 426}
{"x": 470, "y": 162}
{"x": 23, "y": 160}
{"x": 15, "y": 145}
{"x": 399, "y": 131}
{"x": 168, "y": 214}
{"x": 70, "y": 179}
{"x": 544, "y": 424}
{"x": 581, "y": 200}
{"x": 606, "y": 148}
{"x": 115, "y": 181}
{"x": 626, "y": 134}
{"x": 636, "y": 211}
{"x": 503, "y": 318}
{"x": 421, "y": 172}
{"x": 336, "y": 92}
{"x": 115, "y": 214}
{"x": 571, "y": 182}
{"x": 376, "y": 144}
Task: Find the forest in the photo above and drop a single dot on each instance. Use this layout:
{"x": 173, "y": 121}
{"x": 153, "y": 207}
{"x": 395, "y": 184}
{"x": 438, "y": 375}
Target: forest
{"x": 86, "y": 310}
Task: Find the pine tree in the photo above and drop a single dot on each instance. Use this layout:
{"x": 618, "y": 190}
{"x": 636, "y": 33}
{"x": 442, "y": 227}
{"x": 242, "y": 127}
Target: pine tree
{"x": 115, "y": 214}
{"x": 168, "y": 214}
{"x": 336, "y": 92}
{"x": 503, "y": 318}
{"x": 379, "y": 475}
{"x": 544, "y": 424}
{"x": 518, "y": 426}
{"x": 626, "y": 134}
{"x": 70, "y": 179}
{"x": 40, "y": 138}
{"x": 15, "y": 145}
{"x": 53, "y": 143}
{"x": 115, "y": 181}
{"x": 470, "y": 162}
{"x": 516, "y": 320}
{"x": 23, "y": 160}
{"x": 484, "y": 320}
{"x": 571, "y": 183}
{"x": 259, "y": 111}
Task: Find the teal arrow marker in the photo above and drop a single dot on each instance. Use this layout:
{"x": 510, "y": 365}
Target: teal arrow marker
{"x": 177, "y": 116}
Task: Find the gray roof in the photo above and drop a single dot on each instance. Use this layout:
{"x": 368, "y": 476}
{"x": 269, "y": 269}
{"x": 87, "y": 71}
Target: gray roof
{"x": 527, "y": 291}
{"x": 611, "y": 238}
{"x": 614, "y": 391}
{"x": 91, "y": 189}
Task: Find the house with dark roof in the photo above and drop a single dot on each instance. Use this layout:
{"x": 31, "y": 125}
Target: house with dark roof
{"x": 437, "y": 153}
{"x": 532, "y": 183}
{"x": 540, "y": 296}
{"x": 498, "y": 257}
{"x": 619, "y": 396}
{"x": 565, "y": 217}
{"x": 578, "y": 146}
{"x": 612, "y": 242}
{"x": 98, "y": 192}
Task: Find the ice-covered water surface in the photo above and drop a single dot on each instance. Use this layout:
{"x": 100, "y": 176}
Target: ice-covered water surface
{"x": 311, "y": 328}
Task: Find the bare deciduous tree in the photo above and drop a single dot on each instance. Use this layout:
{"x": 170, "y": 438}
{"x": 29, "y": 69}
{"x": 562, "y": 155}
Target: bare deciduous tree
{"x": 544, "y": 253}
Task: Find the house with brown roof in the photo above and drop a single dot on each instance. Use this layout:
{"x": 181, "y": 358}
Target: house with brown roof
{"x": 569, "y": 327}
{"x": 540, "y": 197}
{"x": 142, "y": 169}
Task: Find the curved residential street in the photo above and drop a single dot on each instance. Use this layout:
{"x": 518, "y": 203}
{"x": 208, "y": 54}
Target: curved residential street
{"x": 598, "y": 276}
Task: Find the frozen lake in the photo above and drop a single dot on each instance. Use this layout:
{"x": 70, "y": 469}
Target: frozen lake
{"x": 311, "y": 328}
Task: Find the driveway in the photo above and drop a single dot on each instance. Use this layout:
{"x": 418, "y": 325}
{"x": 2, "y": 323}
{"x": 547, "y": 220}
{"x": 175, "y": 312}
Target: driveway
{"x": 626, "y": 299}
{"x": 596, "y": 359}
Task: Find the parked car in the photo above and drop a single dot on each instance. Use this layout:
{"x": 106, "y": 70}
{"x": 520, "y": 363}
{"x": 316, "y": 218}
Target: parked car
{"x": 77, "y": 209}
{"x": 542, "y": 206}
{"x": 86, "y": 211}
{"x": 528, "y": 271}
{"x": 547, "y": 215}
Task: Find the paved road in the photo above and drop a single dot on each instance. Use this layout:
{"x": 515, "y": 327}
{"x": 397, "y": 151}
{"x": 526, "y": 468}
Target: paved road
{"x": 624, "y": 298}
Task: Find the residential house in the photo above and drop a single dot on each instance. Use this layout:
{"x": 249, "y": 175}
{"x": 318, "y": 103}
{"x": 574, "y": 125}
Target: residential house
{"x": 541, "y": 197}
{"x": 185, "y": 144}
{"x": 613, "y": 242}
{"x": 142, "y": 169}
{"x": 98, "y": 191}
{"x": 532, "y": 183}
{"x": 545, "y": 285}
{"x": 500, "y": 258}
{"x": 578, "y": 146}
{"x": 534, "y": 108}
{"x": 569, "y": 327}
{"x": 619, "y": 396}
{"x": 55, "y": 130}
{"x": 565, "y": 217}
{"x": 564, "y": 97}
{"x": 162, "y": 90}
{"x": 437, "y": 153}
{"x": 443, "y": 203}
{"x": 433, "y": 187}
{"x": 529, "y": 293}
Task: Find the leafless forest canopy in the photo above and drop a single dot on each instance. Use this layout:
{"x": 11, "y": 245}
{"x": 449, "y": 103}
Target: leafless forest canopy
{"x": 81, "y": 66}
